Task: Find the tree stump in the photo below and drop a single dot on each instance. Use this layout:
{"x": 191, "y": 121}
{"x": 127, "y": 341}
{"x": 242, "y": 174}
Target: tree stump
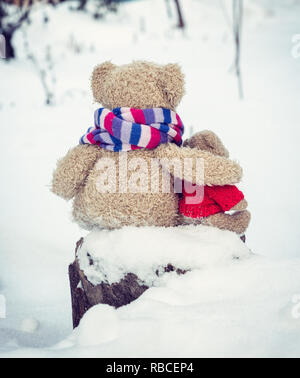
{"x": 86, "y": 295}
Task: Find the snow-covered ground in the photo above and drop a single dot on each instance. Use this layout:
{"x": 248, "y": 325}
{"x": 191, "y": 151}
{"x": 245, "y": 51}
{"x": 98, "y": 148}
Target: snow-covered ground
{"x": 243, "y": 308}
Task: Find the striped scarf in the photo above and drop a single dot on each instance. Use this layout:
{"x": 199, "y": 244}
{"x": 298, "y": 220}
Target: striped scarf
{"x": 125, "y": 129}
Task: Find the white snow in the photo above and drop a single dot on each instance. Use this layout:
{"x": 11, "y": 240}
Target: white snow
{"x": 29, "y": 325}
{"x": 99, "y": 325}
{"x": 244, "y": 308}
{"x": 146, "y": 251}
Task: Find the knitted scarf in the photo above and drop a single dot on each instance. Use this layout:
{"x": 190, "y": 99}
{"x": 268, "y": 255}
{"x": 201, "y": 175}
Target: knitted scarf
{"x": 125, "y": 129}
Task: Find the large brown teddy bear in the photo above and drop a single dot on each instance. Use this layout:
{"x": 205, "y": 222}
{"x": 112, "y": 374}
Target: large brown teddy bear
{"x": 139, "y": 85}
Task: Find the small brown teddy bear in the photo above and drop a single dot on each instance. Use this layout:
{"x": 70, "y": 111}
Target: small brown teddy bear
{"x": 215, "y": 200}
{"x": 138, "y": 132}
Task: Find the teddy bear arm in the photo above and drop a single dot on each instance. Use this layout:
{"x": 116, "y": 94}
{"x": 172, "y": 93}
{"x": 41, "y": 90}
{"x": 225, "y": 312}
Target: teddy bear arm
{"x": 72, "y": 170}
{"x": 217, "y": 170}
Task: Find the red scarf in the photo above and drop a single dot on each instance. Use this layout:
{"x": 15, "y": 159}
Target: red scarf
{"x": 217, "y": 199}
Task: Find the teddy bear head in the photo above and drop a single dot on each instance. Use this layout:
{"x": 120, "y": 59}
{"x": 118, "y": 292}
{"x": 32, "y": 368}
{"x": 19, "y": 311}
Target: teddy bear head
{"x": 138, "y": 85}
{"x": 207, "y": 140}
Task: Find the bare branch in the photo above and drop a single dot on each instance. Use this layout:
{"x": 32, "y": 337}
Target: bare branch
{"x": 10, "y": 22}
{"x": 181, "y": 23}
{"x": 237, "y": 17}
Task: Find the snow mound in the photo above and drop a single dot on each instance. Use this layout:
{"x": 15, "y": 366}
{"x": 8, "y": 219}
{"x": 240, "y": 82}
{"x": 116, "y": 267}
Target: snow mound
{"x": 30, "y": 325}
{"x": 147, "y": 250}
{"x": 245, "y": 309}
{"x": 100, "y": 324}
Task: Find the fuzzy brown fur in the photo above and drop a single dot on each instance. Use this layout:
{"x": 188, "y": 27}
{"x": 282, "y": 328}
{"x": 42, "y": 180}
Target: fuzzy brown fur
{"x": 238, "y": 221}
{"x": 206, "y": 140}
{"x": 136, "y": 85}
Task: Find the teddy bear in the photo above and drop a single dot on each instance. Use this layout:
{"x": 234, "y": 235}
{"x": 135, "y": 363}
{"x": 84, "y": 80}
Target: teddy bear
{"x": 216, "y": 201}
{"x": 115, "y": 174}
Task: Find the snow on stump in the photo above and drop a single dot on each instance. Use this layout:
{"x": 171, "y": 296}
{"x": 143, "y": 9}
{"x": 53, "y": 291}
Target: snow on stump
{"x": 117, "y": 267}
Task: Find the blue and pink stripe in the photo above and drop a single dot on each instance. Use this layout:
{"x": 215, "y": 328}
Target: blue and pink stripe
{"x": 125, "y": 129}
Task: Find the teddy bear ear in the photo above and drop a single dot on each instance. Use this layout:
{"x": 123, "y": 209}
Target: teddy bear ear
{"x": 99, "y": 74}
{"x": 171, "y": 80}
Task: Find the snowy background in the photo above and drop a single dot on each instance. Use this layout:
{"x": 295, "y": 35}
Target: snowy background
{"x": 250, "y": 308}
